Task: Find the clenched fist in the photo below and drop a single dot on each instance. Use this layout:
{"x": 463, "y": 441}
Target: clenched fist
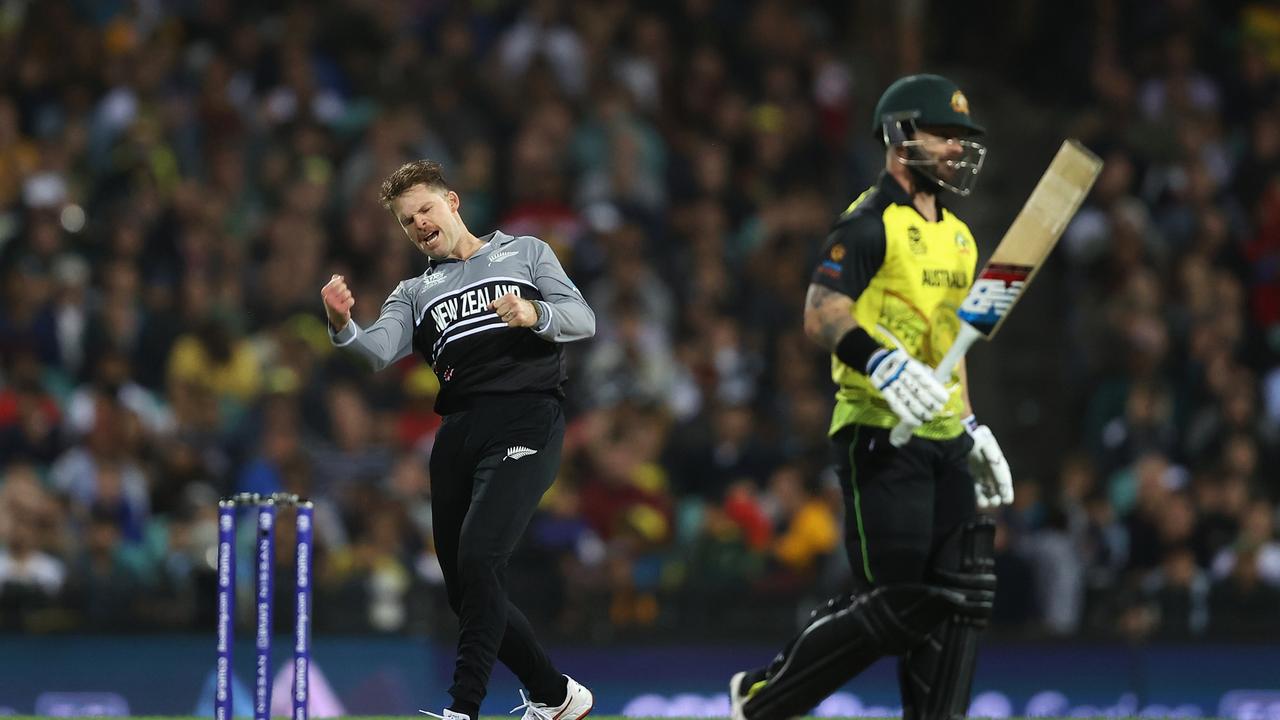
{"x": 337, "y": 301}
{"x": 514, "y": 311}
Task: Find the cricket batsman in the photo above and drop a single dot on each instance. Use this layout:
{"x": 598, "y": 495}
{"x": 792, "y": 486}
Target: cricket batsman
{"x": 883, "y": 302}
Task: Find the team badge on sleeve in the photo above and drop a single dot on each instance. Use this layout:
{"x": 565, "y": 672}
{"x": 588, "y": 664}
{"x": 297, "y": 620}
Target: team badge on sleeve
{"x": 831, "y": 267}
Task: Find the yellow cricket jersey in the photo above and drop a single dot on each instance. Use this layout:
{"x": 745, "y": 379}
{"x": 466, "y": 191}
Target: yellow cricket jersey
{"x": 908, "y": 276}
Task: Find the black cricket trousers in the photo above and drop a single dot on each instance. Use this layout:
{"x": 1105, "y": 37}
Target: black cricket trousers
{"x": 905, "y": 508}
{"x": 490, "y": 466}
{"x": 905, "y": 512}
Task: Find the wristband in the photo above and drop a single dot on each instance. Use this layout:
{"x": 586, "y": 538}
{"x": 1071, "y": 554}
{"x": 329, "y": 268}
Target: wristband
{"x": 856, "y": 348}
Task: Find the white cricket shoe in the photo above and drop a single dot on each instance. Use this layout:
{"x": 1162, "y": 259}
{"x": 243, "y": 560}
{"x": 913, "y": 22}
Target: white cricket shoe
{"x": 737, "y": 698}
{"x": 448, "y": 715}
{"x": 577, "y": 704}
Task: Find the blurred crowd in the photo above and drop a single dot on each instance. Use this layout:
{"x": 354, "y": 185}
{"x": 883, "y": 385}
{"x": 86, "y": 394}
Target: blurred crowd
{"x": 1161, "y": 522}
{"x": 179, "y": 178}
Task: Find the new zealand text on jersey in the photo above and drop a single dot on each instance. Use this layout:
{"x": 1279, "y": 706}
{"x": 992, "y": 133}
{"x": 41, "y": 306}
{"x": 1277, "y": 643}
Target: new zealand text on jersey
{"x": 468, "y": 304}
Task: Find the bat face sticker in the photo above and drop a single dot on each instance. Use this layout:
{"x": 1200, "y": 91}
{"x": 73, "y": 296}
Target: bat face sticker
{"x": 992, "y": 294}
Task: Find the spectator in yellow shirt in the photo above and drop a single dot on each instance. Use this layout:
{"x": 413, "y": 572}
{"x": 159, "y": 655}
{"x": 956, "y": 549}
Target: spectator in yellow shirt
{"x": 807, "y": 529}
{"x": 211, "y": 357}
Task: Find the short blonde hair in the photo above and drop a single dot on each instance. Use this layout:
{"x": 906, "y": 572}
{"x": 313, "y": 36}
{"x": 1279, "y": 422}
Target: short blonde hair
{"x": 424, "y": 172}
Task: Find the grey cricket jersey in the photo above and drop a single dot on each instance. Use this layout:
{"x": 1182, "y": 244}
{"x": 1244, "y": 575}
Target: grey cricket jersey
{"x": 444, "y": 314}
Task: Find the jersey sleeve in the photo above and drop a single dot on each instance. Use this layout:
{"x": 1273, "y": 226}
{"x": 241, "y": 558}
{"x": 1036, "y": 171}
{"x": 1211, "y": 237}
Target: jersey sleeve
{"x": 388, "y": 339}
{"x": 565, "y": 314}
{"x": 851, "y": 256}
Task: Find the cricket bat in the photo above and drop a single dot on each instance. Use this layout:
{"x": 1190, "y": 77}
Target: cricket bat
{"x": 1018, "y": 257}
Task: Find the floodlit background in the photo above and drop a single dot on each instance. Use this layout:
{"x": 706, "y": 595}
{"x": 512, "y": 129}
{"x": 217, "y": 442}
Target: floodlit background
{"x": 178, "y": 178}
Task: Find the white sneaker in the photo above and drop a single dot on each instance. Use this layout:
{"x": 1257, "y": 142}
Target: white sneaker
{"x": 737, "y": 698}
{"x": 448, "y": 715}
{"x": 577, "y": 704}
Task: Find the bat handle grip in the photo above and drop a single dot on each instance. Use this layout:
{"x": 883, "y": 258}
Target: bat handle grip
{"x": 965, "y": 339}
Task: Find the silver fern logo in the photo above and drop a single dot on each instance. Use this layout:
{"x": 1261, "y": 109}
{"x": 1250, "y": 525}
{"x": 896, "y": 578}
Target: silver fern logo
{"x": 517, "y": 452}
{"x": 499, "y": 257}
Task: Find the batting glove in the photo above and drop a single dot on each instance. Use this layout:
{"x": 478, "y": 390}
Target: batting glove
{"x": 907, "y": 385}
{"x": 992, "y": 481}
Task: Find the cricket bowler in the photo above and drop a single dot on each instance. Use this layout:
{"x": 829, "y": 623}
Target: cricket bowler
{"x": 491, "y": 315}
{"x": 883, "y": 301}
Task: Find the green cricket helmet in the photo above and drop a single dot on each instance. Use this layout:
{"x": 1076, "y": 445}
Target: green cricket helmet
{"x": 936, "y": 103}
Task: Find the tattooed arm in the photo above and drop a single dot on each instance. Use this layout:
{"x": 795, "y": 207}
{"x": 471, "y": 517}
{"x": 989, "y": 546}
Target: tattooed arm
{"x": 906, "y": 384}
{"x": 828, "y": 315}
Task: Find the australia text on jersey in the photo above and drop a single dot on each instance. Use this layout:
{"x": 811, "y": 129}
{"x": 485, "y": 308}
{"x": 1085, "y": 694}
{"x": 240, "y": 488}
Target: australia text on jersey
{"x": 957, "y": 279}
